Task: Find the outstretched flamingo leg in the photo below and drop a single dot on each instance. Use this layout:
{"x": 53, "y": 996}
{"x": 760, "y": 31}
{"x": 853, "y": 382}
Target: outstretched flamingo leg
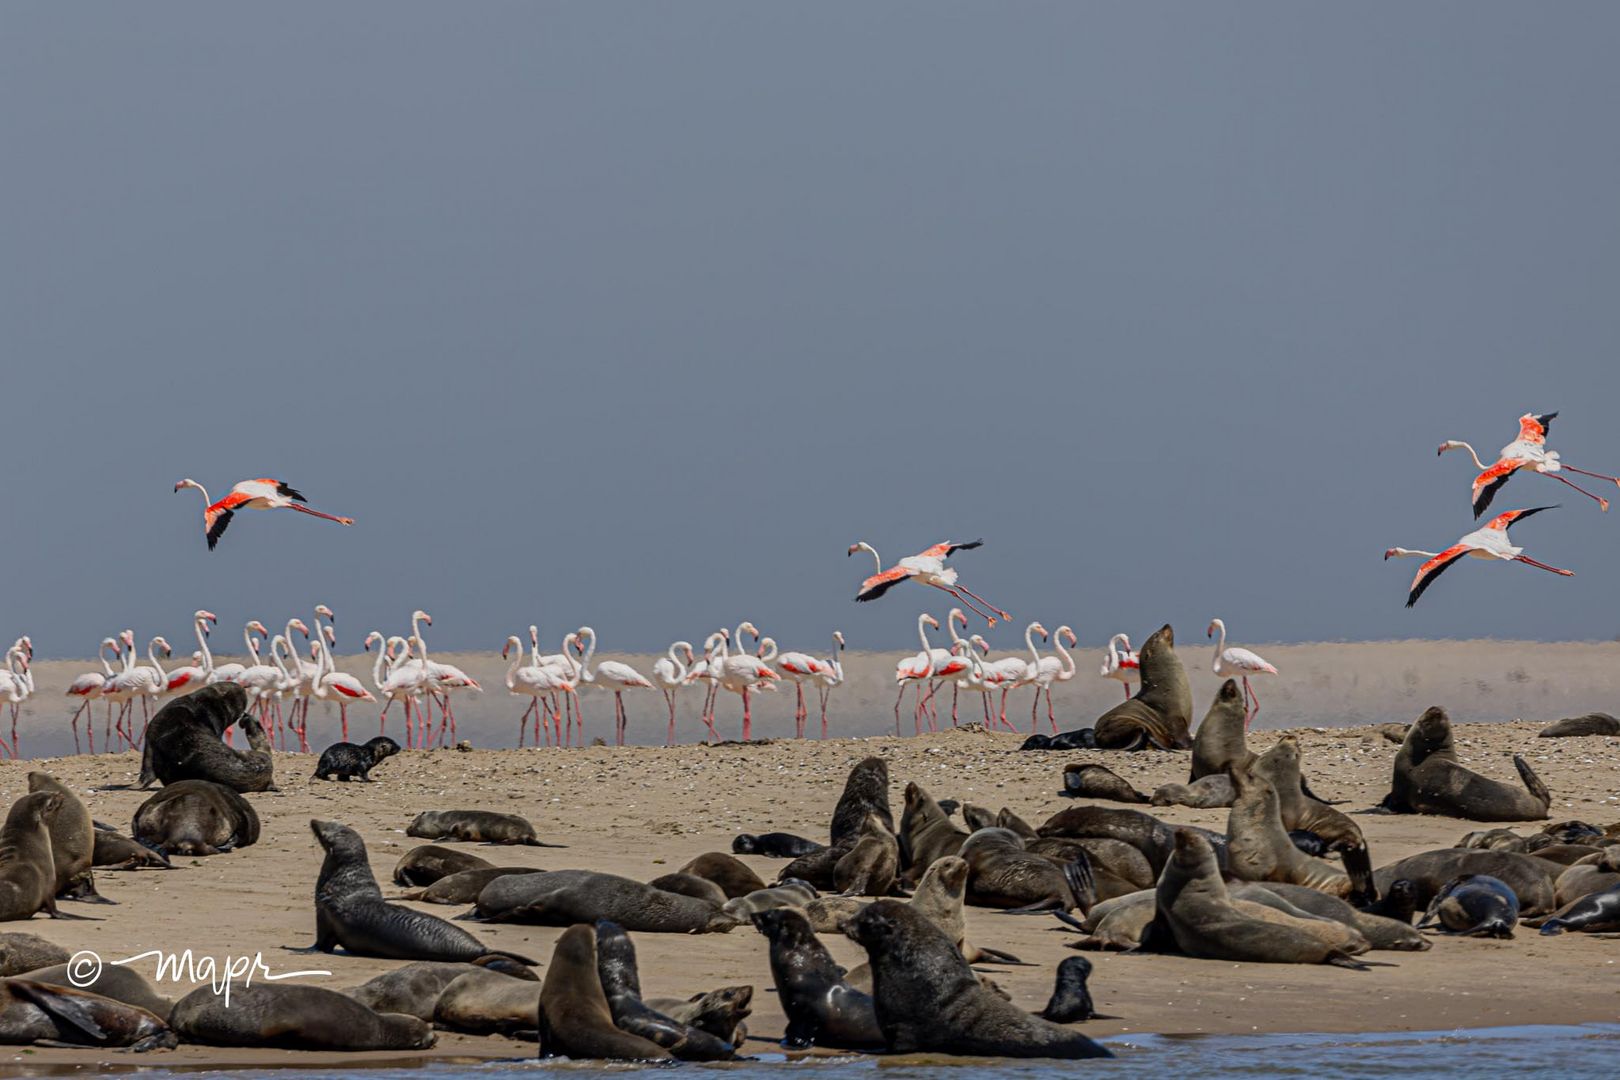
{"x": 1601, "y": 501}
{"x": 1600, "y": 476}
{"x": 1004, "y": 615}
{"x": 1543, "y": 566}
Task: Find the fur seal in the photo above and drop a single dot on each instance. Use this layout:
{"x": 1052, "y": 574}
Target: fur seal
{"x": 1146, "y": 833}
{"x": 1258, "y": 847}
{"x": 1301, "y": 811}
{"x": 1473, "y": 905}
{"x": 32, "y": 1011}
{"x": 348, "y": 761}
{"x": 412, "y": 989}
{"x": 732, "y": 875}
{"x": 793, "y": 894}
{"x": 1593, "y": 913}
{"x": 719, "y": 1012}
{"x": 196, "y": 817}
{"x": 1591, "y": 724}
{"x": 1159, "y": 714}
{"x": 691, "y": 885}
{"x": 27, "y": 952}
{"x": 183, "y": 742}
{"x": 473, "y": 826}
{"x": 73, "y": 842}
{"x": 1429, "y": 780}
{"x": 1001, "y": 874}
{"x": 483, "y": 1002}
{"x": 1070, "y": 1002}
{"x": 1431, "y": 871}
{"x": 1221, "y": 744}
{"x": 1206, "y": 793}
{"x": 566, "y": 897}
{"x": 428, "y": 863}
{"x": 1196, "y": 911}
{"x": 926, "y": 832}
{"x": 575, "y": 1019}
{"x": 774, "y": 845}
{"x": 872, "y": 865}
{"x": 27, "y": 871}
{"x": 866, "y": 791}
{"x": 1078, "y": 739}
{"x": 1092, "y": 781}
{"x": 113, "y": 981}
{"x": 1588, "y": 876}
{"x": 822, "y": 1009}
{"x": 294, "y": 1017}
{"x": 927, "y": 999}
{"x": 621, "y": 985}
{"x": 1380, "y": 931}
{"x": 350, "y": 911}
{"x": 464, "y": 887}
{"x": 114, "y": 851}
{"x": 1397, "y": 901}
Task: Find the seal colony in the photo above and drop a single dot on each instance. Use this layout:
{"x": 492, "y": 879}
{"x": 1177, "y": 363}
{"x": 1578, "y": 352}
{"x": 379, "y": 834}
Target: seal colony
{"x": 911, "y": 914}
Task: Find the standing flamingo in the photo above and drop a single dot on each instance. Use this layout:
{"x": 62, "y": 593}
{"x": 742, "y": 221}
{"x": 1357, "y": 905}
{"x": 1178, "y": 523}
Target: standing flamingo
{"x": 399, "y": 682}
{"x": 539, "y": 684}
{"x": 1491, "y": 542}
{"x": 1011, "y": 672}
{"x": 1528, "y": 451}
{"x": 830, "y": 676}
{"x": 233, "y": 671}
{"x": 1235, "y": 663}
{"x": 927, "y": 566}
{"x": 261, "y": 494}
{"x": 916, "y": 670}
{"x": 707, "y": 670}
{"x": 1121, "y": 664}
{"x": 742, "y": 674}
{"x": 615, "y": 676}
{"x": 14, "y": 690}
{"x": 87, "y": 688}
{"x": 565, "y": 666}
{"x": 334, "y": 685}
{"x": 196, "y": 674}
{"x": 802, "y": 668}
{"x": 1051, "y": 669}
{"x": 670, "y": 674}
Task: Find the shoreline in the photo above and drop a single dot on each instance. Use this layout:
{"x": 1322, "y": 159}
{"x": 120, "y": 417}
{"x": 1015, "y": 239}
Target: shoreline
{"x": 643, "y": 811}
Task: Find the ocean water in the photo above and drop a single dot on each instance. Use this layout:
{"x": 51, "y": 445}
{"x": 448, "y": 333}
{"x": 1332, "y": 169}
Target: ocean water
{"x": 1574, "y": 1051}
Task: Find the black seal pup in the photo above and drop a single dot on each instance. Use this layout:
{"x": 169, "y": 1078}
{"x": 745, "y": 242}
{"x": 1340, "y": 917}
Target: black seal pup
{"x": 349, "y": 761}
{"x": 774, "y": 845}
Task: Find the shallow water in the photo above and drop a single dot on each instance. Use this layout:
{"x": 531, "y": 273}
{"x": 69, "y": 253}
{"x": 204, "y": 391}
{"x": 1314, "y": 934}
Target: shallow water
{"x": 1575, "y": 1051}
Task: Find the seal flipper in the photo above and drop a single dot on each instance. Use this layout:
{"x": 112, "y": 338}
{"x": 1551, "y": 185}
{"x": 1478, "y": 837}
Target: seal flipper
{"x": 801, "y": 1033}
{"x": 1532, "y": 781}
{"x": 1345, "y": 960}
{"x": 70, "y": 1008}
{"x": 1358, "y": 866}
{"x": 1081, "y": 881}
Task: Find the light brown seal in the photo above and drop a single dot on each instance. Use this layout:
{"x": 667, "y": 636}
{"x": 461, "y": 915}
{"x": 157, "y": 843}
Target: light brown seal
{"x": 427, "y": 863}
{"x": 27, "y": 871}
{"x": 196, "y": 817}
{"x": 1092, "y": 781}
{"x": 1302, "y": 811}
{"x": 1220, "y": 744}
{"x": 293, "y": 1017}
{"x": 1258, "y": 847}
{"x": 73, "y": 844}
{"x": 926, "y": 832}
{"x": 575, "y": 1020}
{"x": 473, "y": 826}
{"x": 1159, "y": 714}
{"x": 872, "y": 865}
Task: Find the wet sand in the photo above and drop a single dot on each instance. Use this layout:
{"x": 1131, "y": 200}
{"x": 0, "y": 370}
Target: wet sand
{"x": 643, "y": 811}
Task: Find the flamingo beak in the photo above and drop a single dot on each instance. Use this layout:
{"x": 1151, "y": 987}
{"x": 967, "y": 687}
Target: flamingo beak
{"x": 853, "y": 548}
{"x": 1388, "y": 553}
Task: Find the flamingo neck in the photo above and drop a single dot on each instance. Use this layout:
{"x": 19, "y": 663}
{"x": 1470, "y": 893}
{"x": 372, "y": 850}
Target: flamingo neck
{"x": 587, "y": 635}
{"x": 201, "y": 626}
{"x": 1069, "y": 667}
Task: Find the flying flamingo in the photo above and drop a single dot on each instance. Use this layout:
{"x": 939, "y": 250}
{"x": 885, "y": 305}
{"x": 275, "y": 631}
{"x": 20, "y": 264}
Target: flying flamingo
{"x": 1528, "y": 451}
{"x": 916, "y": 670}
{"x": 87, "y": 688}
{"x": 1051, "y": 669}
{"x": 830, "y": 676}
{"x": 1236, "y": 663}
{"x": 251, "y": 495}
{"x": 670, "y": 673}
{"x": 615, "y": 676}
{"x": 802, "y": 667}
{"x": 928, "y": 567}
{"x": 1121, "y": 664}
{"x": 1491, "y": 542}
{"x": 194, "y": 675}
{"x": 334, "y": 685}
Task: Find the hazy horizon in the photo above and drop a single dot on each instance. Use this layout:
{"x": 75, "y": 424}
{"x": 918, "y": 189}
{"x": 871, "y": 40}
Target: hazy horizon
{"x": 639, "y": 315}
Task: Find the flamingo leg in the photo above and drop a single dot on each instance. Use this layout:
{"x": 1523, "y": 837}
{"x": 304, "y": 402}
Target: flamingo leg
{"x": 1051, "y": 719}
{"x": 1034, "y": 704}
{"x": 1127, "y": 691}
{"x": 956, "y": 691}
{"x": 898, "y": 698}
{"x": 800, "y": 713}
{"x": 977, "y": 610}
{"x": 1601, "y": 501}
{"x": 825, "y": 692}
{"x": 748, "y": 720}
{"x": 302, "y": 509}
{"x": 987, "y": 724}
{"x": 1006, "y": 617}
{"x": 1543, "y": 566}
{"x": 1597, "y": 475}
{"x": 77, "y": 748}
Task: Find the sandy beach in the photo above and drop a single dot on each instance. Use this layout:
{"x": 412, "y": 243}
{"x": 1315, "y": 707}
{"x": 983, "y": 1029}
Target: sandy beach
{"x": 643, "y": 811}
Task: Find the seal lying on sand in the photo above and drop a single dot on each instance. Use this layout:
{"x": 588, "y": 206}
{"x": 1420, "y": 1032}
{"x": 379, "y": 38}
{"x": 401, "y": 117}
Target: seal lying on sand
{"x": 1092, "y": 781}
{"x": 1430, "y": 871}
{"x": 111, "y": 981}
{"x": 575, "y": 1019}
{"x": 39, "y": 1012}
{"x": 927, "y": 999}
{"x": 412, "y": 989}
{"x": 794, "y": 894}
{"x": 1197, "y": 912}
{"x": 428, "y": 863}
{"x": 1473, "y": 905}
{"x": 350, "y": 911}
{"x": 462, "y": 888}
{"x": 1001, "y": 874}
{"x": 621, "y": 984}
{"x": 473, "y": 826}
{"x": 293, "y": 1017}
{"x": 27, "y": 871}
{"x": 196, "y": 817}
{"x": 25, "y": 952}
{"x": 693, "y": 886}
{"x": 115, "y": 851}
{"x": 1591, "y": 724}
{"x": 1159, "y": 714}
{"x": 775, "y": 845}
{"x": 1206, "y": 793}
{"x": 1430, "y": 780}
{"x": 483, "y": 1002}
{"x": 183, "y": 742}
{"x": 822, "y": 1009}
{"x": 566, "y": 897}
{"x": 349, "y": 761}
{"x": 733, "y": 876}
{"x": 1593, "y": 913}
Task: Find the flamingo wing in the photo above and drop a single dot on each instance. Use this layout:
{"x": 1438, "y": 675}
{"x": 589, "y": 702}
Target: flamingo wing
{"x": 1533, "y": 428}
{"x": 1503, "y": 520}
{"x": 1243, "y": 660}
{"x": 880, "y": 583}
{"x": 946, "y": 548}
{"x": 1487, "y": 483}
{"x": 215, "y": 520}
{"x": 1433, "y": 569}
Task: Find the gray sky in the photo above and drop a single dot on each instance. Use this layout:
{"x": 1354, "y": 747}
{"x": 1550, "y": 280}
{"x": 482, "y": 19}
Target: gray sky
{"x": 639, "y": 314}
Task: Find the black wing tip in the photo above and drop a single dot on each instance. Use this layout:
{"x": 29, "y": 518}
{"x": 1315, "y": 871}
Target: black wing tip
{"x": 969, "y": 546}
{"x": 1534, "y": 510}
{"x": 290, "y": 492}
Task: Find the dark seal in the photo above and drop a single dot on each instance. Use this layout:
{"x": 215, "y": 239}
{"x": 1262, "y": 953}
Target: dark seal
{"x": 196, "y": 817}
{"x": 822, "y": 1008}
{"x": 183, "y": 742}
{"x": 350, "y": 761}
{"x": 775, "y": 845}
{"x": 1430, "y": 780}
{"x": 621, "y": 984}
